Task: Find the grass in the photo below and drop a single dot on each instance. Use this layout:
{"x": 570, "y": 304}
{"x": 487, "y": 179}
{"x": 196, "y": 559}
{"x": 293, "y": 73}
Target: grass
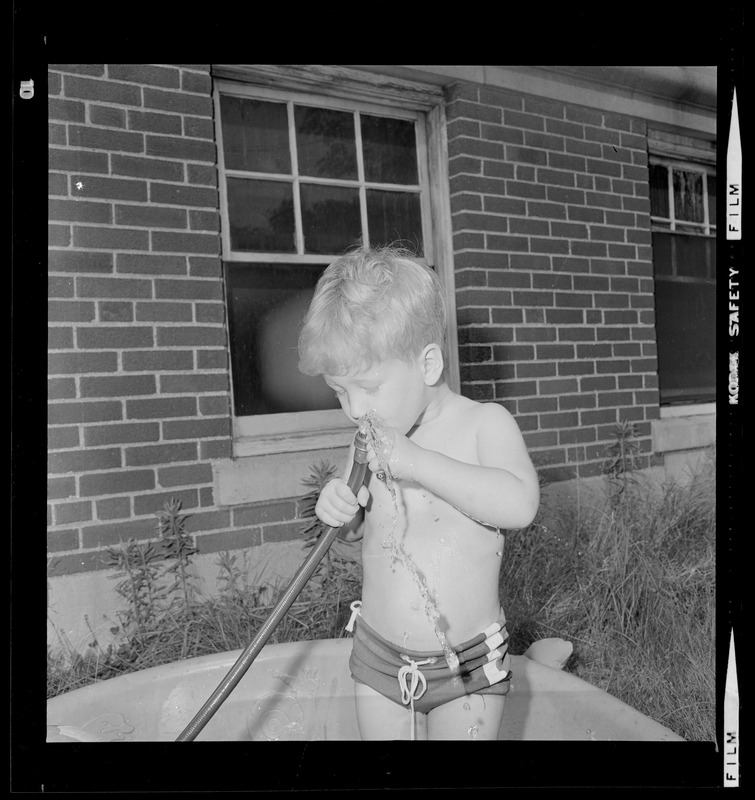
{"x": 227, "y": 621}
{"x": 632, "y": 586}
{"x": 631, "y": 583}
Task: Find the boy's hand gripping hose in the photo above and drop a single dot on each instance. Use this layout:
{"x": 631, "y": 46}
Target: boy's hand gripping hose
{"x": 244, "y": 661}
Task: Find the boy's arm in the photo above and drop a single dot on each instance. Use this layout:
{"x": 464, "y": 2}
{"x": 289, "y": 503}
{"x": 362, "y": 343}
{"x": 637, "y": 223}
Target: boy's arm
{"x": 502, "y": 490}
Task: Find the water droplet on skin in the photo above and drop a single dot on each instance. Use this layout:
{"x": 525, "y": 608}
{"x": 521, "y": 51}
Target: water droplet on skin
{"x": 499, "y": 553}
{"x": 382, "y": 443}
{"x": 466, "y": 706}
{"x": 473, "y": 731}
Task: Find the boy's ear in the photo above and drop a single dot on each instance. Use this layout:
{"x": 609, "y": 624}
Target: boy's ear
{"x": 432, "y": 363}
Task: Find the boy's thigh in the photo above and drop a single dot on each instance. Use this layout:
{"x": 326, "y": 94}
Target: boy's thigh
{"x": 380, "y": 718}
{"x": 472, "y": 717}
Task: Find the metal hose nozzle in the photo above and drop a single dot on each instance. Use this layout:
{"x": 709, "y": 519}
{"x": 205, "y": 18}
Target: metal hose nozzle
{"x": 361, "y": 440}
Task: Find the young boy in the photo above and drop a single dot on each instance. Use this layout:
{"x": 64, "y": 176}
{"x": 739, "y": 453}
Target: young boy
{"x": 453, "y": 472}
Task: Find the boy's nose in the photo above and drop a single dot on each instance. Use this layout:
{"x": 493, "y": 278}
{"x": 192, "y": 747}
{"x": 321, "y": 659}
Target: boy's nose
{"x": 356, "y": 409}
{"x": 358, "y": 405}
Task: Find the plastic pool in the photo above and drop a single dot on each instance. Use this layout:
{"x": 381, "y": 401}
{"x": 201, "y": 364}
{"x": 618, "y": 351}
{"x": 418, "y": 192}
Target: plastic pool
{"x": 303, "y": 691}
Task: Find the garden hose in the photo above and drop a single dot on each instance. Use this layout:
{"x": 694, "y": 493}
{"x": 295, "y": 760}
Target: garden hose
{"x": 244, "y": 661}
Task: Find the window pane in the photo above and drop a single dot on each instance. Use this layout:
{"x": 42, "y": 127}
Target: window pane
{"x": 691, "y": 256}
{"x": 712, "y": 199}
{"x": 390, "y": 150}
{"x": 659, "y": 191}
{"x": 395, "y": 218}
{"x": 266, "y": 304}
{"x": 325, "y": 143}
{"x": 689, "y": 228}
{"x": 685, "y": 323}
{"x": 688, "y": 196}
{"x": 711, "y": 248}
{"x": 330, "y": 218}
{"x": 261, "y": 215}
{"x": 663, "y": 253}
{"x": 255, "y": 135}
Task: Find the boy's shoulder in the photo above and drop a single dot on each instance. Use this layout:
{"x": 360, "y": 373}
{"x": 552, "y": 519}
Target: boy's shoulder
{"x": 492, "y": 422}
{"x": 488, "y": 412}
{"x": 483, "y": 415}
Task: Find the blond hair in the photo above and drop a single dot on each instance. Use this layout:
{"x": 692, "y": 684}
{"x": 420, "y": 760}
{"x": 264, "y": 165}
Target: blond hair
{"x": 370, "y": 305}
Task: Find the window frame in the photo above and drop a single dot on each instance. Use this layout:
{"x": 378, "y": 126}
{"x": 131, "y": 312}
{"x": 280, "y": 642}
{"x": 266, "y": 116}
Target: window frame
{"x": 680, "y": 152}
{"x": 340, "y": 88}
{"x": 707, "y": 226}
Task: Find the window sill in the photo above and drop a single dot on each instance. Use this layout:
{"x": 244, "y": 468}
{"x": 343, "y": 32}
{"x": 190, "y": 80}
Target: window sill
{"x": 244, "y": 446}
{"x": 684, "y": 428}
{"x": 274, "y": 467}
{"x": 689, "y": 410}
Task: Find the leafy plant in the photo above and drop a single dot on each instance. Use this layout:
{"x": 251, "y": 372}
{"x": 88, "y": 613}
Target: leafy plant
{"x": 137, "y": 565}
{"x": 633, "y": 591}
{"x": 234, "y": 589}
{"x": 313, "y": 527}
{"x": 178, "y": 548}
{"x": 319, "y": 475}
{"x": 230, "y": 577}
{"x": 620, "y": 458}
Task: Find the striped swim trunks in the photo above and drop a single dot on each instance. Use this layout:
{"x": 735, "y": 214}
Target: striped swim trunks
{"x": 423, "y": 679}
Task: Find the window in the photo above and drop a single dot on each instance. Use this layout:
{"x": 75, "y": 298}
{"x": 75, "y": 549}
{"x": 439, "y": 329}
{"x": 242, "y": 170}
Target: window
{"x": 683, "y": 218}
{"x": 304, "y": 177}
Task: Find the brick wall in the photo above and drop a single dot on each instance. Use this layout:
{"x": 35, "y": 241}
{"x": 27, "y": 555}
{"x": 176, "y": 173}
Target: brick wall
{"x": 554, "y": 292}
{"x": 554, "y": 278}
{"x": 139, "y": 399}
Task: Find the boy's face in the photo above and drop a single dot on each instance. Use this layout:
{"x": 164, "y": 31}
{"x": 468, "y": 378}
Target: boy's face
{"x": 395, "y": 390}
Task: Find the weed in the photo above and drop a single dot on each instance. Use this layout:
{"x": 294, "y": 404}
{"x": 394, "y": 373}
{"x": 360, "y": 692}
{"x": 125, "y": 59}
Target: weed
{"x": 620, "y": 458}
{"x": 137, "y": 567}
{"x": 633, "y": 588}
{"x": 313, "y": 527}
{"x": 631, "y": 585}
{"x": 177, "y": 549}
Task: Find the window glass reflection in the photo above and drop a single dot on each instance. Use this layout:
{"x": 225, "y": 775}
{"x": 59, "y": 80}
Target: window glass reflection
{"x": 659, "y": 191}
{"x": 266, "y": 304}
{"x": 325, "y": 143}
{"x": 712, "y": 199}
{"x": 390, "y": 150}
{"x": 686, "y": 325}
{"x": 255, "y": 135}
{"x": 261, "y": 215}
{"x": 692, "y": 256}
{"x": 330, "y": 218}
{"x": 395, "y": 218}
{"x": 688, "y": 196}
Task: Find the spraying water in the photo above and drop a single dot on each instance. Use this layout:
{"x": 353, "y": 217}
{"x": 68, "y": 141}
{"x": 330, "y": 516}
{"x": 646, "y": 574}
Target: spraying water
{"x": 381, "y": 439}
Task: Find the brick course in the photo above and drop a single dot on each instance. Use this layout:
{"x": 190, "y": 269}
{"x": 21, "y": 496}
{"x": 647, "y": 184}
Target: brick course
{"x": 133, "y": 199}
{"x": 564, "y": 208}
{"x": 551, "y": 238}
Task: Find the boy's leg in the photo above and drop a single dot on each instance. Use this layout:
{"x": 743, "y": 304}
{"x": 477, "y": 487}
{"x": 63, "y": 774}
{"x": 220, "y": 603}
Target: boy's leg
{"x": 474, "y": 716}
{"x": 380, "y": 718}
